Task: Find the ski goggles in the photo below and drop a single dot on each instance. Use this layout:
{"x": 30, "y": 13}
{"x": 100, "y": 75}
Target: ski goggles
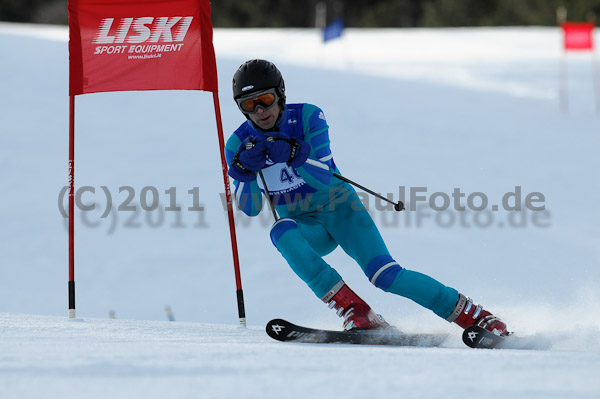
{"x": 264, "y": 99}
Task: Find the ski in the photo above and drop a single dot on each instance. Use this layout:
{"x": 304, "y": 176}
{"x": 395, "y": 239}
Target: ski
{"x": 283, "y": 330}
{"x": 480, "y": 338}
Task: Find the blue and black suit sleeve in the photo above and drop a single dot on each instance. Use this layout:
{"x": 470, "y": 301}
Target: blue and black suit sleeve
{"x": 248, "y": 197}
{"x": 319, "y": 167}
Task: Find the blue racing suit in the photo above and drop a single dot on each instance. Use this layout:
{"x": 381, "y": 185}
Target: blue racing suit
{"x": 318, "y": 212}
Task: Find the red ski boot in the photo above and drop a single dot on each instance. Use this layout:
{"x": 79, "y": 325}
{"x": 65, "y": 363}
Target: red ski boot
{"x": 466, "y": 314}
{"x": 356, "y": 313}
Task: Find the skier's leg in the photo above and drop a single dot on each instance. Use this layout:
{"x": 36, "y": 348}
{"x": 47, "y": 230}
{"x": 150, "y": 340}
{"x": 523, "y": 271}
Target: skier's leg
{"x": 353, "y": 228}
{"x": 302, "y": 242}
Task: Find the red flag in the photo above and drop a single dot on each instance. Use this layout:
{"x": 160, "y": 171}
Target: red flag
{"x": 578, "y": 35}
{"x": 120, "y": 45}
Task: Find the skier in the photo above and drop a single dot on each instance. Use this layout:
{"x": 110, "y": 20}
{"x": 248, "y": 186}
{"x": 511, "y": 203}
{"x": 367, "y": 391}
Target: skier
{"x": 287, "y": 145}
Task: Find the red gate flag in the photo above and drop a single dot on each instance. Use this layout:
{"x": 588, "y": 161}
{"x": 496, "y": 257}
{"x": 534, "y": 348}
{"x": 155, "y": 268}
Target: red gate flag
{"x": 578, "y": 35}
{"x": 117, "y": 45}
{"x": 120, "y": 45}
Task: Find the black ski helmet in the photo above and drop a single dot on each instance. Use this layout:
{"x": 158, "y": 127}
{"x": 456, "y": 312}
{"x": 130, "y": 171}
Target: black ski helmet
{"x": 257, "y": 75}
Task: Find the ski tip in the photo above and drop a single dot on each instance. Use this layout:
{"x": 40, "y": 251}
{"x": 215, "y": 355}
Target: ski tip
{"x": 480, "y": 338}
{"x": 477, "y": 337}
{"x": 275, "y": 327}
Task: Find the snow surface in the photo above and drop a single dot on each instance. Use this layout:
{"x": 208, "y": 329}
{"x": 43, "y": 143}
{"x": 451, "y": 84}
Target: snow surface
{"x": 475, "y": 109}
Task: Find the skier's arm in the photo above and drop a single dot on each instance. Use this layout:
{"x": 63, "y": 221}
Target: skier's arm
{"x": 248, "y": 197}
{"x": 319, "y": 167}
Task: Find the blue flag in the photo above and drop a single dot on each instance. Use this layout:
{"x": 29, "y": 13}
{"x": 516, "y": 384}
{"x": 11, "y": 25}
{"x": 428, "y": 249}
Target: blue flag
{"x": 333, "y": 30}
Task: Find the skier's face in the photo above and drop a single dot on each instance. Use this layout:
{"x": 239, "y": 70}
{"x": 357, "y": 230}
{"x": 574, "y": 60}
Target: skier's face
{"x": 265, "y": 118}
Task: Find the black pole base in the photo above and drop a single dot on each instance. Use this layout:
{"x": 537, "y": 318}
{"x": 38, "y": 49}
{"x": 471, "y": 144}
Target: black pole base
{"x": 71, "y": 299}
{"x": 241, "y": 309}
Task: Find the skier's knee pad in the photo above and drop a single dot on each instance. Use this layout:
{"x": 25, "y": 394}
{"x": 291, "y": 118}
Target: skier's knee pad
{"x": 280, "y": 227}
{"x": 382, "y": 271}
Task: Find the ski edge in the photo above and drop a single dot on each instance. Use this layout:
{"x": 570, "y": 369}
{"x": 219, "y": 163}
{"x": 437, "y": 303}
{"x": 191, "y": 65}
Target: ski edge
{"x": 393, "y": 337}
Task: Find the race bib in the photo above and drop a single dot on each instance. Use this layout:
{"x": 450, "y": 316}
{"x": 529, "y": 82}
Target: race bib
{"x": 281, "y": 179}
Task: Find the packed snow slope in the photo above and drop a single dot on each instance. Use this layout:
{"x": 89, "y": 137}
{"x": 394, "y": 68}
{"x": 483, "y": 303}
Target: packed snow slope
{"x": 432, "y": 111}
{"x": 53, "y": 357}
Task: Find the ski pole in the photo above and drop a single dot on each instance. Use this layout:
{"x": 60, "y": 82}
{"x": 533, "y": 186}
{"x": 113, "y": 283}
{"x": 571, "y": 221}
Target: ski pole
{"x": 398, "y": 206}
{"x": 264, "y": 182}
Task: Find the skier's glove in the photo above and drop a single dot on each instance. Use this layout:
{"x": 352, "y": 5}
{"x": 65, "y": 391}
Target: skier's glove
{"x": 250, "y": 158}
{"x": 283, "y": 148}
